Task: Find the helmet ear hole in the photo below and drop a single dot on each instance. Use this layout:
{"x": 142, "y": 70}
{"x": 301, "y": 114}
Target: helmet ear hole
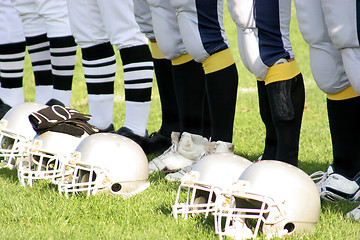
{"x": 116, "y": 187}
{"x": 290, "y": 227}
{"x": 7, "y": 143}
{"x": 84, "y": 176}
{"x": 203, "y": 196}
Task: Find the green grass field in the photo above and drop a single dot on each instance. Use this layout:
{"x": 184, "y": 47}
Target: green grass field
{"x": 41, "y": 213}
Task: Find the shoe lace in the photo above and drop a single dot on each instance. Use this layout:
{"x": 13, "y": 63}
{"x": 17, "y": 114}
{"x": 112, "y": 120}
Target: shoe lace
{"x": 179, "y": 174}
{"x": 173, "y": 148}
{"x": 319, "y": 176}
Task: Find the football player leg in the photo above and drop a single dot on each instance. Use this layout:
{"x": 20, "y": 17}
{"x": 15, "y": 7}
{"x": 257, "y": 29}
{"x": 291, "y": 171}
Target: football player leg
{"x": 98, "y": 59}
{"x": 62, "y": 47}
{"x": 286, "y": 101}
{"x": 160, "y": 140}
{"x": 51, "y": 48}
{"x": 137, "y": 63}
{"x": 206, "y": 42}
{"x": 340, "y": 181}
{"x": 344, "y": 15}
{"x": 222, "y": 117}
{"x": 186, "y": 72}
{"x": 283, "y": 81}
{"x": 99, "y": 66}
{"x": 190, "y": 144}
{"x": 270, "y": 148}
{"x": 267, "y": 53}
{"x": 38, "y": 47}
{"x": 12, "y": 55}
{"x": 242, "y": 14}
{"x": 346, "y": 156}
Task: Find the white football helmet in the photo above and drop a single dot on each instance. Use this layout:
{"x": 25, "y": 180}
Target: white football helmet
{"x": 107, "y": 163}
{"x": 15, "y": 131}
{"x": 203, "y": 184}
{"x": 46, "y": 155}
{"x": 270, "y": 196}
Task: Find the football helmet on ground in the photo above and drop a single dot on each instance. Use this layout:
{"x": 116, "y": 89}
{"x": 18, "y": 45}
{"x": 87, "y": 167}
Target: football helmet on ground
{"x": 46, "y": 155}
{"x": 15, "y": 131}
{"x": 270, "y": 196}
{"x": 106, "y": 163}
{"x": 204, "y": 182}
{"x": 210, "y": 148}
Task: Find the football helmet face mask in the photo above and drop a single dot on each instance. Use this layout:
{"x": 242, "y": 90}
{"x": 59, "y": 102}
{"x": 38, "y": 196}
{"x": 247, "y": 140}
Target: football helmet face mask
{"x": 270, "y": 196}
{"x": 199, "y": 190}
{"x": 46, "y": 155}
{"x": 107, "y": 163}
{"x": 15, "y": 131}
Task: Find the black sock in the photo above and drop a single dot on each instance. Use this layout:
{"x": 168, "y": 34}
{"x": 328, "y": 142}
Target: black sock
{"x": 344, "y": 126}
{"x": 286, "y": 99}
{"x": 190, "y": 91}
{"x": 221, "y": 90}
{"x": 206, "y": 119}
{"x": 169, "y": 107}
{"x": 270, "y": 148}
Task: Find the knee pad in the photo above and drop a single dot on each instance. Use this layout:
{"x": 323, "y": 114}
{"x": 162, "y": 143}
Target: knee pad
{"x": 329, "y": 73}
{"x": 172, "y": 47}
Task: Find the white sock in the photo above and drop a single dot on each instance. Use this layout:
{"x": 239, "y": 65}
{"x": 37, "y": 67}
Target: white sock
{"x": 12, "y": 96}
{"x": 43, "y": 93}
{"x": 101, "y": 108}
{"x": 136, "y": 116}
{"x": 63, "y": 96}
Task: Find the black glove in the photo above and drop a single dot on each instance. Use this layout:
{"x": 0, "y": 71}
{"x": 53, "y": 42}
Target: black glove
{"x": 61, "y": 119}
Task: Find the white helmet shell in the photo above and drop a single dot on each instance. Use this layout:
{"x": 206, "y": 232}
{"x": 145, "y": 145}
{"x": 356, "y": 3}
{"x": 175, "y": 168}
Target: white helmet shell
{"x": 15, "y": 131}
{"x": 282, "y": 198}
{"x": 107, "y": 163}
{"x": 208, "y": 177}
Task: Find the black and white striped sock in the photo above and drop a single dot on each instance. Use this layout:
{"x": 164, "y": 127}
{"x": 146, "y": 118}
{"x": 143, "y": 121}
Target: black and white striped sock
{"x": 39, "y": 51}
{"x": 63, "y": 57}
{"x": 99, "y": 65}
{"x": 12, "y": 57}
{"x": 138, "y": 75}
